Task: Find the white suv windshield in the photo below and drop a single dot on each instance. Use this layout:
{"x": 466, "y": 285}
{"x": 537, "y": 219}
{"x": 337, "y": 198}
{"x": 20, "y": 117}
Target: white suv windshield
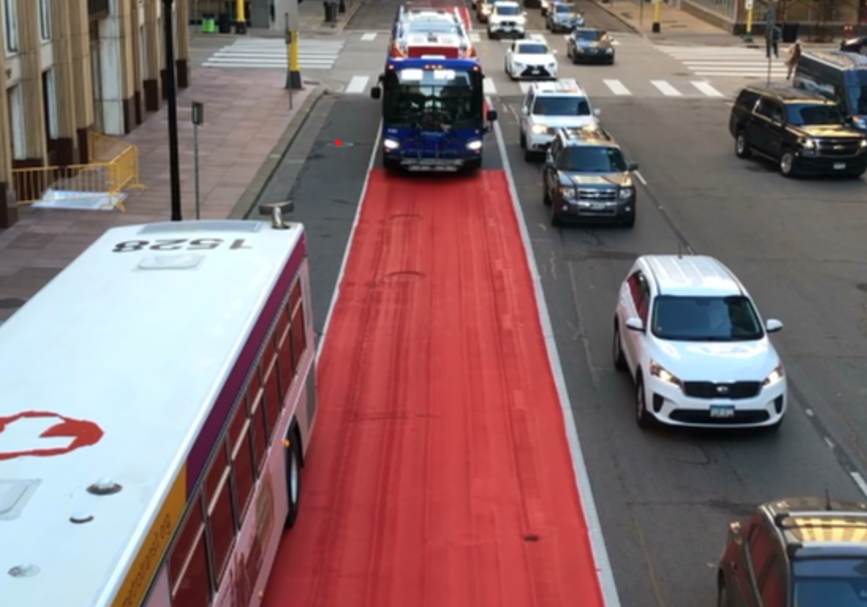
{"x": 533, "y": 49}
{"x": 561, "y": 106}
{"x": 507, "y": 10}
{"x": 705, "y": 319}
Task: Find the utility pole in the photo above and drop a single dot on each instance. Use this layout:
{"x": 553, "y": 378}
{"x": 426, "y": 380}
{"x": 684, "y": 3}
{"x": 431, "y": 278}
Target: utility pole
{"x": 172, "y": 101}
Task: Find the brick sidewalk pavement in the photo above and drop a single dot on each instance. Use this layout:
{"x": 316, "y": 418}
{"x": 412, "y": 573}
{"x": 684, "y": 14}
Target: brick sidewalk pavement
{"x": 248, "y": 125}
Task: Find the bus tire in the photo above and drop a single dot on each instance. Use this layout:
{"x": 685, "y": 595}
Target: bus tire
{"x": 293, "y": 476}
{"x": 471, "y": 166}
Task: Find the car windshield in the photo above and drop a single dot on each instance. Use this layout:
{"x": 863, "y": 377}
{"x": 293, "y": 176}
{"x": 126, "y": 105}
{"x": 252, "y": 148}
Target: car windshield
{"x": 507, "y": 10}
{"x": 809, "y": 114}
{"x": 705, "y": 318}
{"x": 592, "y": 159}
{"x": 561, "y": 106}
{"x": 532, "y": 49}
{"x": 830, "y": 582}
{"x": 587, "y": 35}
{"x": 564, "y": 8}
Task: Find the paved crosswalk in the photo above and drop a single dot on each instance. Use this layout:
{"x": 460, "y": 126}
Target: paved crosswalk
{"x": 730, "y": 61}
{"x": 478, "y": 37}
{"x": 270, "y": 53}
{"x": 595, "y": 87}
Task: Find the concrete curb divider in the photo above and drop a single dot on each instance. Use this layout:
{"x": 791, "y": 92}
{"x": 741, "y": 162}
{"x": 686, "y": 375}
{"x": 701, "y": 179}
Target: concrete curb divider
{"x": 251, "y": 195}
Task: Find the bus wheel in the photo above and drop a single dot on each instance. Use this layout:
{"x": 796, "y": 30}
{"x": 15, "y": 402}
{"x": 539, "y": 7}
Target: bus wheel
{"x": 471, "y": 166}
{"x": 293, "y": 477}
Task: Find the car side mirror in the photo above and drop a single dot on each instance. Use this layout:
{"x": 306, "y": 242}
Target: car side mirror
{"x": 525, "y": 111}
{"x": 635, "y": 324}
{"x": 491, "y": 116}
{"x": 597, "y": 111}
{"x": 554, "y": 52}
{"x": 772, "y": 325}
{"x": 632, "y": 166}
{"x": 524, "y": 14}
{"x": 375, "y": 92}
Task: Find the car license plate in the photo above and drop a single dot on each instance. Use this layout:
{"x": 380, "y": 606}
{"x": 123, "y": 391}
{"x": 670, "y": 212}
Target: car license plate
{"x": 722, "y": 411}
{"x": 599, "y": 206}
{"x": 839, "y": 166}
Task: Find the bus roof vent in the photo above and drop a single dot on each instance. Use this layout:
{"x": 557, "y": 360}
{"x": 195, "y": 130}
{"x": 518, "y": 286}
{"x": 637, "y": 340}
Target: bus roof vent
{"x": 14, "y": 495}
{"x": 220, "y": 225}
{"x": 171, "y": 262}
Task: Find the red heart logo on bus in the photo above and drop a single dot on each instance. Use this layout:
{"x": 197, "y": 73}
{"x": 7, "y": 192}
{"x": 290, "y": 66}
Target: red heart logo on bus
{"x": 82, "y": 433}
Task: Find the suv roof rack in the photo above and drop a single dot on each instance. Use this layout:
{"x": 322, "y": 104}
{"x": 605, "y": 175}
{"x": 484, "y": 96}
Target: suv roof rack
{"x": 832, "y": 518}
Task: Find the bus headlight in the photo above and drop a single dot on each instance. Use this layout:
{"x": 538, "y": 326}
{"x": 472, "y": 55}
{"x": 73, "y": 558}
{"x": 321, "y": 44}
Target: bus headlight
{"x": 474, "y": 145}
{"x": 390, "y": 144}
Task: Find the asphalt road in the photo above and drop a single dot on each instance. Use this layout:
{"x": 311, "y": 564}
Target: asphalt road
{"x": 665, "y": 496}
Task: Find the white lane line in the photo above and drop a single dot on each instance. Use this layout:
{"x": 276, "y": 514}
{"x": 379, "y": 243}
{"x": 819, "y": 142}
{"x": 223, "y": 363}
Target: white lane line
{"x": 475, "y": 37}
{"x": 706, "y": 88}
{"x": 617, "y": 87}
{"x": 357, "y": 85}
{"x": 579, "y": 466}
{"x": 373, "y": 154}
{"x": 369, "y": 37}
{"x": 640, "y": 177}
{"x": 666, "y": 89}
{"x": 489, "y": 87}
{"x": 859, "y": 480}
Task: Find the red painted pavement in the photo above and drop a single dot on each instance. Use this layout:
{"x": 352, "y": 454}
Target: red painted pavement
{"x": 439, "y": 474}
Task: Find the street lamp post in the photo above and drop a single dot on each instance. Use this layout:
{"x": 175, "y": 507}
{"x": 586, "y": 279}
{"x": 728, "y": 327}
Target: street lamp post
{"x": 172, "y": 100}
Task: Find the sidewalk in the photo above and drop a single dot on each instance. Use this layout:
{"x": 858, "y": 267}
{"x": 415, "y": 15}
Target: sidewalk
{"x": 680, "y": 26}
{"x": 248, "y": 126}
{"x": 311, "y": 17}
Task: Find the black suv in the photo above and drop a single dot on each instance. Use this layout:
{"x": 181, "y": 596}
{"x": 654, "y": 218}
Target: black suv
{"x": 807, "y": 552}
{"x": 805, "y": 132}
{"x": 586, "y": 177}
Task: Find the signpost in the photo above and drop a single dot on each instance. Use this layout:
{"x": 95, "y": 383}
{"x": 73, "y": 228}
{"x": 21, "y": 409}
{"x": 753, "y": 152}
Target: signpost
{"x": 198, "y": 119}
{"x": 748, "y": 34}
{"x": 770, "y": 36}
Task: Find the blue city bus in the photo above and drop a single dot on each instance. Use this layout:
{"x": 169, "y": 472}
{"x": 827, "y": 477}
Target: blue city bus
{"x": 433, "y": 114}
{"x": 839, "y": 76}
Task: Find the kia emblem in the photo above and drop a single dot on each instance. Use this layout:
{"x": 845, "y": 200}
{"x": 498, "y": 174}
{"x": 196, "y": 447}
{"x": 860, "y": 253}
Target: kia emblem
{"x": 722, "y": 389}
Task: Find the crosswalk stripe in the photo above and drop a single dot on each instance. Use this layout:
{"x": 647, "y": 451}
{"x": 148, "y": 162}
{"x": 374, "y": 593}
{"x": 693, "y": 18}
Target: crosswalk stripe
{"x": 666, "y": 89}
{"x": 707, "y": 88}
{"x": 369, "y": 37}
{"x": 357, "y": 85}
{"x": 270, "y": 53}
{"x": 475, "y": 37}
{"x": 489, "y": 87}
{"x": 617, "y": 87}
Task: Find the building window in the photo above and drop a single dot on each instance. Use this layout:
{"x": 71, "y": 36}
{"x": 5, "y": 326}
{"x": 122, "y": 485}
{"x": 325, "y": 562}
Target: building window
{"x": 49, "y": 99}
{"x": 16, "y": 119}
{"x": 10, "y": 23}
{"x": 45, "y": 19}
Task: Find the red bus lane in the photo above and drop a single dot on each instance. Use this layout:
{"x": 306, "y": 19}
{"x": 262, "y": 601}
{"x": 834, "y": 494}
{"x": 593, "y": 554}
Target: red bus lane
{"x": 441, "y": 475}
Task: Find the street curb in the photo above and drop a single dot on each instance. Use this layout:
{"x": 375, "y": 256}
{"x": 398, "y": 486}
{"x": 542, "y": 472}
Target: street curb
{"x": 251, "y": 195}
{"x": 341, "y": 25}
{"x": 611, "y": 12}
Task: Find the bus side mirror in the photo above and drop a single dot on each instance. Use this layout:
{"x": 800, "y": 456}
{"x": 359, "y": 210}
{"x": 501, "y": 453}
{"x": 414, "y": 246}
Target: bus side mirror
{"x": 375, "y": 92}
{"x": 492, "y": 116}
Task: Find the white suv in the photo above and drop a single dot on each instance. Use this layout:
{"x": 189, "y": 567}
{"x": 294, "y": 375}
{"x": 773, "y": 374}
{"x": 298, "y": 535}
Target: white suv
{"x": 697, "y": 349}
{"x": 507, "y": 18}
{"x": 549, "y": 107}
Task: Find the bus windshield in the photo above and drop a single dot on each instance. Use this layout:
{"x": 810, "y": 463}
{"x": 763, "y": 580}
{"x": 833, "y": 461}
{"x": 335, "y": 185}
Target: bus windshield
{"x": 857, "y": 94}
{"x": 445, "y": 98}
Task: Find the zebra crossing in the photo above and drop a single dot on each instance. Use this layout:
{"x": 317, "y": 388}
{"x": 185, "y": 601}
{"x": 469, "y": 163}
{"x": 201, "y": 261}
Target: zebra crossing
{"x": 595, "y": 87}
{"x": 727, "y": 62}
{"x": 270, "y": 53}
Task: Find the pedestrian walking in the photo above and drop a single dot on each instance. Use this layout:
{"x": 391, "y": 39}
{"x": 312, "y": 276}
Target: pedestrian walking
{"x": 792, "y": 59}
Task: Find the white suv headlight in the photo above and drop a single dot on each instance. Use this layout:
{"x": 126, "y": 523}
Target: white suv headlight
{"x": 660, "y": 372}
{"x": 775, "y": 376}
